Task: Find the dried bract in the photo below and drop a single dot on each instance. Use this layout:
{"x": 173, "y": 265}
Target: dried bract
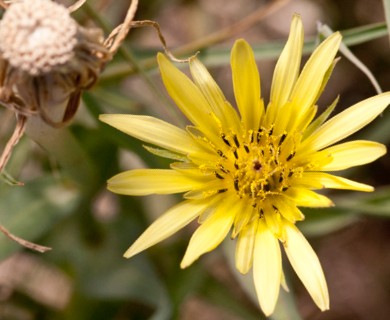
{"x": 46, "y": 60}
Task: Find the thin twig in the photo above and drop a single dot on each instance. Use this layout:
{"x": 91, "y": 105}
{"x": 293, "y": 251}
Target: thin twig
{"x": 24, "y": 243}
{"x": 125, "y": 27}
{"x": 12, "y": 142}
{"x": 76, "y": 5}
{"x": 235, "y": 28}
{"x": 156, "y": 26}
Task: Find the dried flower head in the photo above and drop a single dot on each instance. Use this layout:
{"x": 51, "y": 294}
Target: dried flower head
{"x": 47, "y": 59}
{"x": 37, "y": 36}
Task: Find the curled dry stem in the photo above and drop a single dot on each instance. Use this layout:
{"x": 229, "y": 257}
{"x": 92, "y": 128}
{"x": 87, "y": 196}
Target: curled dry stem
{"x": 24, "y": 243}
{"x": 156, "y": 26}
{"x": 12, "y": 142}
{"x": 118, "y": 35}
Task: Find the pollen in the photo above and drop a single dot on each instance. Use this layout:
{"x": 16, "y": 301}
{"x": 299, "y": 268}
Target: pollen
{"x": 259, "y": 164}
{"x": 37, "y": 36}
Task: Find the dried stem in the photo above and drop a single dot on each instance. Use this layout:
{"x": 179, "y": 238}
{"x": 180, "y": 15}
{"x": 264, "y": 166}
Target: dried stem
{"x": 233, "y": 29}
{"x": 121, "y": 31}
{"x": 12, "y": 142}
{"x": 77, "y": 5}
{"x": 24, "y": 243}
{"x": 156, "y": 26}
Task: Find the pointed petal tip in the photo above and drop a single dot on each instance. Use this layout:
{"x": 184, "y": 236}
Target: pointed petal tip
{"x": 186, "y": 262}
{"x": 131, "y": 252}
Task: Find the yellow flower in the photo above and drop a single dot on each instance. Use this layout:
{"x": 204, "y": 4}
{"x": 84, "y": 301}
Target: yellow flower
{"x": 247, "y": 172}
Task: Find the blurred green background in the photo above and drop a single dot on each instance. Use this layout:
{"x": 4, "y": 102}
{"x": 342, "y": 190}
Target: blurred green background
{"x": 64, "y": 203}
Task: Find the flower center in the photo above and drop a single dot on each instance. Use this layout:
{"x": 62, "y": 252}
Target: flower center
{"x": 257, "y": 165}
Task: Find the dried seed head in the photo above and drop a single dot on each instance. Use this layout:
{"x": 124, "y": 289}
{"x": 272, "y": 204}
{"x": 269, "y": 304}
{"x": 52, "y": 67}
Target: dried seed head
{"x": 37, "y": 36}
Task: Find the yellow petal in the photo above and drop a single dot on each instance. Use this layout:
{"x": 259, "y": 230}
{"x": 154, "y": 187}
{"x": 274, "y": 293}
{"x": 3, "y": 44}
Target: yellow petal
{"x": 211, "y": 233}
{"x": 347, "y": 122}
{"x": 287, "y": 68}
{"x": 353, "y": 153}
{"x": 267, "y": 268}
{"x": 213, "y": 94}
{"x": 143, "y": 182}
{"x": 244, "y": 247}
{"x": 273, "y": 220}
{"x": 246, "y": 84}
{"x": 288, "y": 209}
{"x": 304, "y": 197}
{"x": 152, "y": 130}
{"x": 331, "y": 181}
{"x": 307, "y": 266}
{"x": 312, "y": 76}
{"x": 170, "y": 222}
{"x": 245, "y": 212}
{"x": 320, "y": 119}
{"x": 186, "y": 94}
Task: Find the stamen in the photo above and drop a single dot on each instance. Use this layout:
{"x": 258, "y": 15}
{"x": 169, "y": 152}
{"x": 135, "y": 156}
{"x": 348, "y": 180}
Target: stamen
{"x": 282, "y": 138}
{"x": 236, "y": 184}
{"x": 221, "y": 154}
{"x": 218, "y": 175}
{"x": 236, "y": 141}
{"x": 226, "y": 141}
{"x": 291, "y": 155}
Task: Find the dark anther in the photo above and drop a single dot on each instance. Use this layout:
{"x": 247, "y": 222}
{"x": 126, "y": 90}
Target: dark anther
{"x": 251, "y": 139}
{"x": 267, "y": 187}
{"x": 291, "y": 155}
{"x": 275, "y": 208}
{"x": 282, "y": 138}
{"x": 258, "y": 137}
{"x": 284, "y": 189}
{"x": 225, "y": 140}
{"x": 218, "y": 176}
{"x": 235, "y": 154}
{"x": 271, "y": 131}
{"x": 290, "y": 174}
{"x": 261, "y": 213}
{"x": 236, "y": 165}
{"x": 257, "y": 165}
{"x": 222, "y": 190}
{"x": 246, "y": 148}
{"x": 280, "y": 179}
{"x": 236, "y": 141}
{"x": 221, "y": 154}
{"x": 222, "y": 168}
{"x": 236, "y": 184}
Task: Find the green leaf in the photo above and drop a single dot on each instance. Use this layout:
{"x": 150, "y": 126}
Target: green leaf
{"x": 321, "y": 221}
{"x": 30, "y": 211}
{"x": 386, "y": 5}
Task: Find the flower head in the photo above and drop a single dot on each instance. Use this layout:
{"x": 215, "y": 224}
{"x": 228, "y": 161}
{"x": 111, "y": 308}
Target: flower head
{"x": 247, "y": 173}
